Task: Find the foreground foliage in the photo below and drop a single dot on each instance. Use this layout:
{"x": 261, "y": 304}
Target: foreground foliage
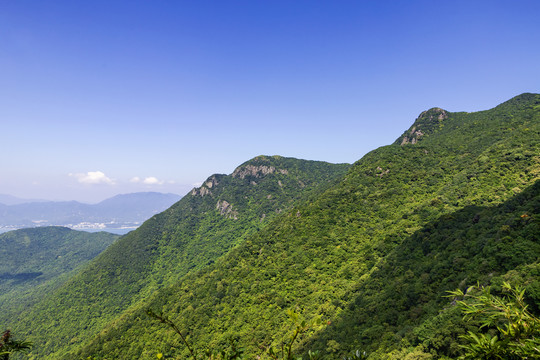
{"x": 504, "y": 329}
{"x": 284, "y": 351}
{"x": 10, "y": 346}
{"x": 510, "y": 330}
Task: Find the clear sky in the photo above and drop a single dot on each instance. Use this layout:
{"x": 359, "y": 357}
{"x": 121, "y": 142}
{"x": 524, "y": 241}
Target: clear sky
{"x": 99, "y": 98}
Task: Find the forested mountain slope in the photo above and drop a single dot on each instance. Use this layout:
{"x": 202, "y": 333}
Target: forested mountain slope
{"x": 193, "y": 233}
{"x": 454, "y": 201}
{"x": 37, "y": 260}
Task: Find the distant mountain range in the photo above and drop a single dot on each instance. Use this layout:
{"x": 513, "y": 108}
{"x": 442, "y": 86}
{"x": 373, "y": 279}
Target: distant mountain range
{"x": 6, "y": 199}
{"x": 121, "y": 213}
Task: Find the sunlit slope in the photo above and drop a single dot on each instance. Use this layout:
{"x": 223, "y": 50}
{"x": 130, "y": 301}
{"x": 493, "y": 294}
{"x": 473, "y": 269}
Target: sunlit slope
{"x": 193, "y": 233}
{"x": 328, "y": 254}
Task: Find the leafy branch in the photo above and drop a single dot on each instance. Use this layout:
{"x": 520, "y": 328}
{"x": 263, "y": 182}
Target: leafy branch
{"x": 165, "y": 320}
{"x": 9, "y": 346}
{"x": 511, "y": 330}
{"x": 233, "y": 352}
{"x": 284, "y": 352}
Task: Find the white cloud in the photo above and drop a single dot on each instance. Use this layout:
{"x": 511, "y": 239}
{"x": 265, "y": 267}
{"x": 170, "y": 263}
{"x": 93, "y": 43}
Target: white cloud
{"x": 151, "y": 180}
{"x": 93, "y": 177}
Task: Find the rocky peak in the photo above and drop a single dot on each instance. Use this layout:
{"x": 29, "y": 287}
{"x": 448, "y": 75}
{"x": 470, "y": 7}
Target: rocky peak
{"x": 202, "y": 191}
{"x": 210, "y": 183}
{"x": 257, "y": 171}
{"x": 427, "y": 122}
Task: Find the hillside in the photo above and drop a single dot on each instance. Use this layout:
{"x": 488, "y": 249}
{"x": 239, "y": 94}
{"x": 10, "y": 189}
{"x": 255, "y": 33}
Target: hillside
{"x": 121, "y": 211}
{"x": 452, "y": 202}
{"x": 193, "y": 233}
{"x": 38, "y": 260}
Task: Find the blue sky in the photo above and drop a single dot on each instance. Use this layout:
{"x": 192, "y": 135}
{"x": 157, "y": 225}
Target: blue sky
{"x": 105, "y": 97}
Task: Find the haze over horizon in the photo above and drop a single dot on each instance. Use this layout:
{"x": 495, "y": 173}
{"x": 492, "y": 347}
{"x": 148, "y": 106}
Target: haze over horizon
{"x": 103, "y": 98}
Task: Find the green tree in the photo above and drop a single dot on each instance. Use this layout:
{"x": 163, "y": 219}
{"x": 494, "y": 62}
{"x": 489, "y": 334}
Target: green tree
{"x": 233, "y": 352}
{"x": 9, "y": 346}
{"x": 508, "y": 330}
{"x": 284, "y": 350}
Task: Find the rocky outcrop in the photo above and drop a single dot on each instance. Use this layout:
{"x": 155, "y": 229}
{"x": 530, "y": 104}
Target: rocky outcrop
{"x": 427, "y": 122}
{"x": 257, "y": 171}
{"x": 381, "y": 172}
{"x": 252, "y": 170}
{"x": 211, "y": 182}
{"x": 413, "y": 136}
{"x": 226, "y": 209}
{"x": 204, "y": 190}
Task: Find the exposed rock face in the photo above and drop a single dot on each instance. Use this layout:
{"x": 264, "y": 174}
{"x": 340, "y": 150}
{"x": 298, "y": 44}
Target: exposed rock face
{"x": 381, "y": 172}
{"x": 202, "y": 191}
{"x": 226, "y": 209}
{"x": 257, "y": 171}
{"x": 414, "y": 136}
{"x": 426, "y": 123}
{"x": 252, "y": 170}
{"x": 211, "y": 182}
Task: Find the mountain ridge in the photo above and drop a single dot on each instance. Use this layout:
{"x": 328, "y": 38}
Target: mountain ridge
{"x": 6, "y": 199}
{"x": 192, "y": 233}
{"x": 317, "y": 255}
{"x": 340, "y": 238}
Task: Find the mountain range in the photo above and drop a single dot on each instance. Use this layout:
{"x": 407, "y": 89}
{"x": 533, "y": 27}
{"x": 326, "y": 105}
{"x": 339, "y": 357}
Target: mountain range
{"x": 119, "y": 213}
{"x": 365, "y": 253}
{"x": 6, "y": 199}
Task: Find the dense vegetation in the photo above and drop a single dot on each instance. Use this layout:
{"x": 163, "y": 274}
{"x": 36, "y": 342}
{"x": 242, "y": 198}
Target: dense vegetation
{"x": 194, "y": 232}
{"x": 453, "y": 202}
{"x": 35, "y": 261}
{"x": 513, "y": 332}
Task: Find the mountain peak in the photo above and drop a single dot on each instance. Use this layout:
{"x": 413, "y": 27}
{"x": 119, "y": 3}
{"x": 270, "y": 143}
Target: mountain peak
{"x": 259, "y": 167}
{"x": 521, "y": 101}
{"x": 427, "y": 122}
{"x": 263, "y": 165}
